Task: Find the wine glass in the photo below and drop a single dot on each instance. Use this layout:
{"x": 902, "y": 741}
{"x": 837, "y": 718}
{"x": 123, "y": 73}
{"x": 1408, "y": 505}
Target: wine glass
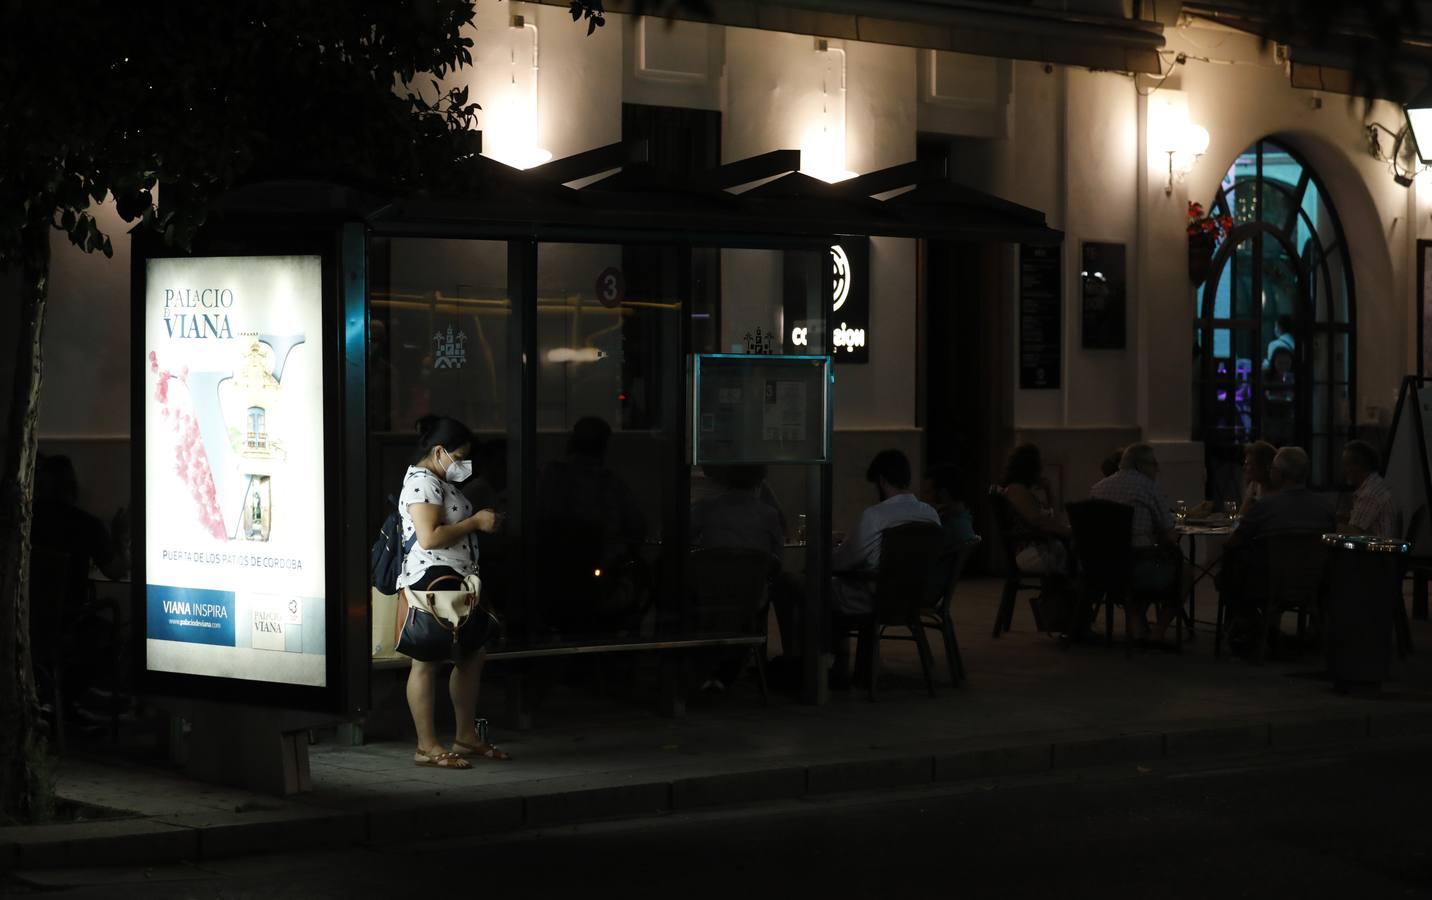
{"x": 1180, "y": 511}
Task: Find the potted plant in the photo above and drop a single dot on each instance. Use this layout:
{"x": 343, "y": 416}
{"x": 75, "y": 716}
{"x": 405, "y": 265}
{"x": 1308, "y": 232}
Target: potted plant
{"x": 1204, "y": 233}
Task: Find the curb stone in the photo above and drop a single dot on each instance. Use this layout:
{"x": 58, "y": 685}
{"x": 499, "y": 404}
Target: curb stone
{"x": 332, "y": 822}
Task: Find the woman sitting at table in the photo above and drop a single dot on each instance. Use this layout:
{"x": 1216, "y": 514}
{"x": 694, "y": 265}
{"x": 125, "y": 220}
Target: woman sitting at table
{"x": 1038, "y": 532}
{"x": 1257, "y": 465}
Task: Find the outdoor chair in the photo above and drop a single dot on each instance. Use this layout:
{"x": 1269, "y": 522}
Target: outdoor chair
{"x": 937, "y": 616}
{"x": 730, "y": 595}
{"x": 1284, "y": 573}
{"x": 1103, "y": 544}
{"x": 1003, "y": 518}
{"x": 908, "y": 553}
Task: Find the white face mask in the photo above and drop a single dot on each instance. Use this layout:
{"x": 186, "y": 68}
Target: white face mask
{"x": 458, "y": 470}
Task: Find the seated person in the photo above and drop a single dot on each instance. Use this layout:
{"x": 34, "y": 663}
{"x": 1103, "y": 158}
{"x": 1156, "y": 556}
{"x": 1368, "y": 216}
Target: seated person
{"x": 75, "y": 540}
{"x": 1288, "y": 508}
{"x": 590, "y": 530}
{"x": 1039, "y": 534}
{"x": 1156, "y": 553}
{"x": 737, "y": 515}
{"x": 1257, "y": 460}
{"x": 1374, "y": 511}
{"x": 858, "y": 556}
{"x": 61, "y": 526}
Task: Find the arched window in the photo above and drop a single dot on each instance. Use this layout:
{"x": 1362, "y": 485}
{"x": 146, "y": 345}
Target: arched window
{"x": 1275, "y": 336}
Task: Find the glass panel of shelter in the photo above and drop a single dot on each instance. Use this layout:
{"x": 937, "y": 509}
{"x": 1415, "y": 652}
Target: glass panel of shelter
{"x": 438, "y": 322}
{"x": 609, "y": 417}
{"x": 766, "y": 302}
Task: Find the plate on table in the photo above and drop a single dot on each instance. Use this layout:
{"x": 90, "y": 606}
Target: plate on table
{"x": 1208, "y": 522}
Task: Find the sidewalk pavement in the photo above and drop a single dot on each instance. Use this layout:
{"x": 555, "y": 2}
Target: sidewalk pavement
{"x": 1028, "y": 707}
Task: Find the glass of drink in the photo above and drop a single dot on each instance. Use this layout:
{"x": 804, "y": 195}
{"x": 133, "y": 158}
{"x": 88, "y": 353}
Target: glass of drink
{"x": 800, "y": 530}
{"x": 1180, "y": 511}
{"x": 1230, "y": 508}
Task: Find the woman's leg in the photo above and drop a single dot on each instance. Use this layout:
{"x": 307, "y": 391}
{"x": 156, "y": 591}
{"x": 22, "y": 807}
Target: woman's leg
{"x": 420, "y": 702}
{"x": 463, "y": 685}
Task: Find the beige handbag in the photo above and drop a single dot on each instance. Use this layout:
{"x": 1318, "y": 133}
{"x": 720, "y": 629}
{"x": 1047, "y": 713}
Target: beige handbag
{"x": 452, "y": 606}
{"x": 431, "y": 621}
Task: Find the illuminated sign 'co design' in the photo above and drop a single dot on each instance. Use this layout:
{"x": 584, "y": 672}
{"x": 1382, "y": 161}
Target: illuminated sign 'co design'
{"x": 845, "y": 337}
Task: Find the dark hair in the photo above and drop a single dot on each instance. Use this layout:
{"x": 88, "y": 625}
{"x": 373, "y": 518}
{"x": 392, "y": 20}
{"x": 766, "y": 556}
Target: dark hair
{"x": 892, "y": 466}
{"x": 1364, "y": 454}
{"x": 590, "y": 437}
{"x": 1110, "y": 465}
{"x": 1262, "y": 453}
{"x": 55, "y": 480}
{"x": 1285, "y": 324}
{"x": 1022, "y": 466}
{"x": 441, "y": 431}
{"x": 946, "y": 479}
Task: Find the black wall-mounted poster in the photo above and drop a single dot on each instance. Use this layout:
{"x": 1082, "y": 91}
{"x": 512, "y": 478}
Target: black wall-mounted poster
{"x": 1103, "y": 290}
{"x": 1040, "y": 339}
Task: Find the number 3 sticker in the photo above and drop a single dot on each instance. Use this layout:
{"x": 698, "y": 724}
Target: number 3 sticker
{"x": 611, "y": 287}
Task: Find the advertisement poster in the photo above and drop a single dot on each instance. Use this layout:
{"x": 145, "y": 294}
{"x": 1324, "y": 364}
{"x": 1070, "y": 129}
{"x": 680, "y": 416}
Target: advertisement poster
{"x": 234, "y": 457}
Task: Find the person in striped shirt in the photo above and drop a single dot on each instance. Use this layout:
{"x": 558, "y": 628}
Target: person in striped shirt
{"x": 1374, "y": 511}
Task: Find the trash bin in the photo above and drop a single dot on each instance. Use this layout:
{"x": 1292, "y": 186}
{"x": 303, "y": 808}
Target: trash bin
{"x": 1364, "y": 586}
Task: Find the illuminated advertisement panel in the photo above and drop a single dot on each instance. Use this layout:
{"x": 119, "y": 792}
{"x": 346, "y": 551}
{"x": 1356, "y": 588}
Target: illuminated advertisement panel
{"x": 235, "y": 577}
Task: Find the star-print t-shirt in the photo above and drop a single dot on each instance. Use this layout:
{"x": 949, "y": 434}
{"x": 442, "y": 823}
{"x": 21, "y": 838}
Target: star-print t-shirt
{"x": 422, "y": 486}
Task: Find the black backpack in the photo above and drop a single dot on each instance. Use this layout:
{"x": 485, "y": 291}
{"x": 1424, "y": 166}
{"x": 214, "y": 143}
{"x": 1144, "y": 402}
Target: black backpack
{"x": 386, "y": 558}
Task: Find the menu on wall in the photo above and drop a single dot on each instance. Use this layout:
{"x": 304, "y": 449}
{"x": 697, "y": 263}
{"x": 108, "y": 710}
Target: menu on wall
{"x": 1040, "y": 299}
{"x": 234, "y": 488}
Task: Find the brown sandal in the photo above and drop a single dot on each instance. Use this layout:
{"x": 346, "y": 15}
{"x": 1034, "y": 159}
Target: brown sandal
{"x": 445, "y": 760}
{"x": 480, "y": 751}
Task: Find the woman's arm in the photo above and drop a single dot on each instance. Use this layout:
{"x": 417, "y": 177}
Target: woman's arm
{"x": 433, "y": 536}
{"x": 1035, "y": 517}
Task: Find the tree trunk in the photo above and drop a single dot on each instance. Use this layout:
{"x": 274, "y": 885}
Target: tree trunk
{"x": 25, "y": 791}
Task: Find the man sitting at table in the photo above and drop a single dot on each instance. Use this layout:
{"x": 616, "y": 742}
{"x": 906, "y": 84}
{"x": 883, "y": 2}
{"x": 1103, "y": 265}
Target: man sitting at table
{"x": 1287, "y": 508}
{"x": 858, "y": 556}
{"x": 1156, "y": 554}
{"x": 1374, "y": 511}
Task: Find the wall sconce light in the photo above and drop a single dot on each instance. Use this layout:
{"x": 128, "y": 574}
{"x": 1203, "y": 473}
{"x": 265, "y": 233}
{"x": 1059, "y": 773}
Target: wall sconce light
{"x": 823, "y": 147}
{"x": 1419, "y": 119}
{"x": 1170, "y": 133}
{"x": 511, "y": 133}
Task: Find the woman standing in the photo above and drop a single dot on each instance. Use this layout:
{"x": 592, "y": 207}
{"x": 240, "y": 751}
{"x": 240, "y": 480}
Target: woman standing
{"x": 438, "y": 534}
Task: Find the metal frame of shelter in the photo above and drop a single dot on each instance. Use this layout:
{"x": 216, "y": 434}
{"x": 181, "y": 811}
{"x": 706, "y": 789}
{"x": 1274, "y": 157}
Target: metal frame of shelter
{"x": 622, "y": 201}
